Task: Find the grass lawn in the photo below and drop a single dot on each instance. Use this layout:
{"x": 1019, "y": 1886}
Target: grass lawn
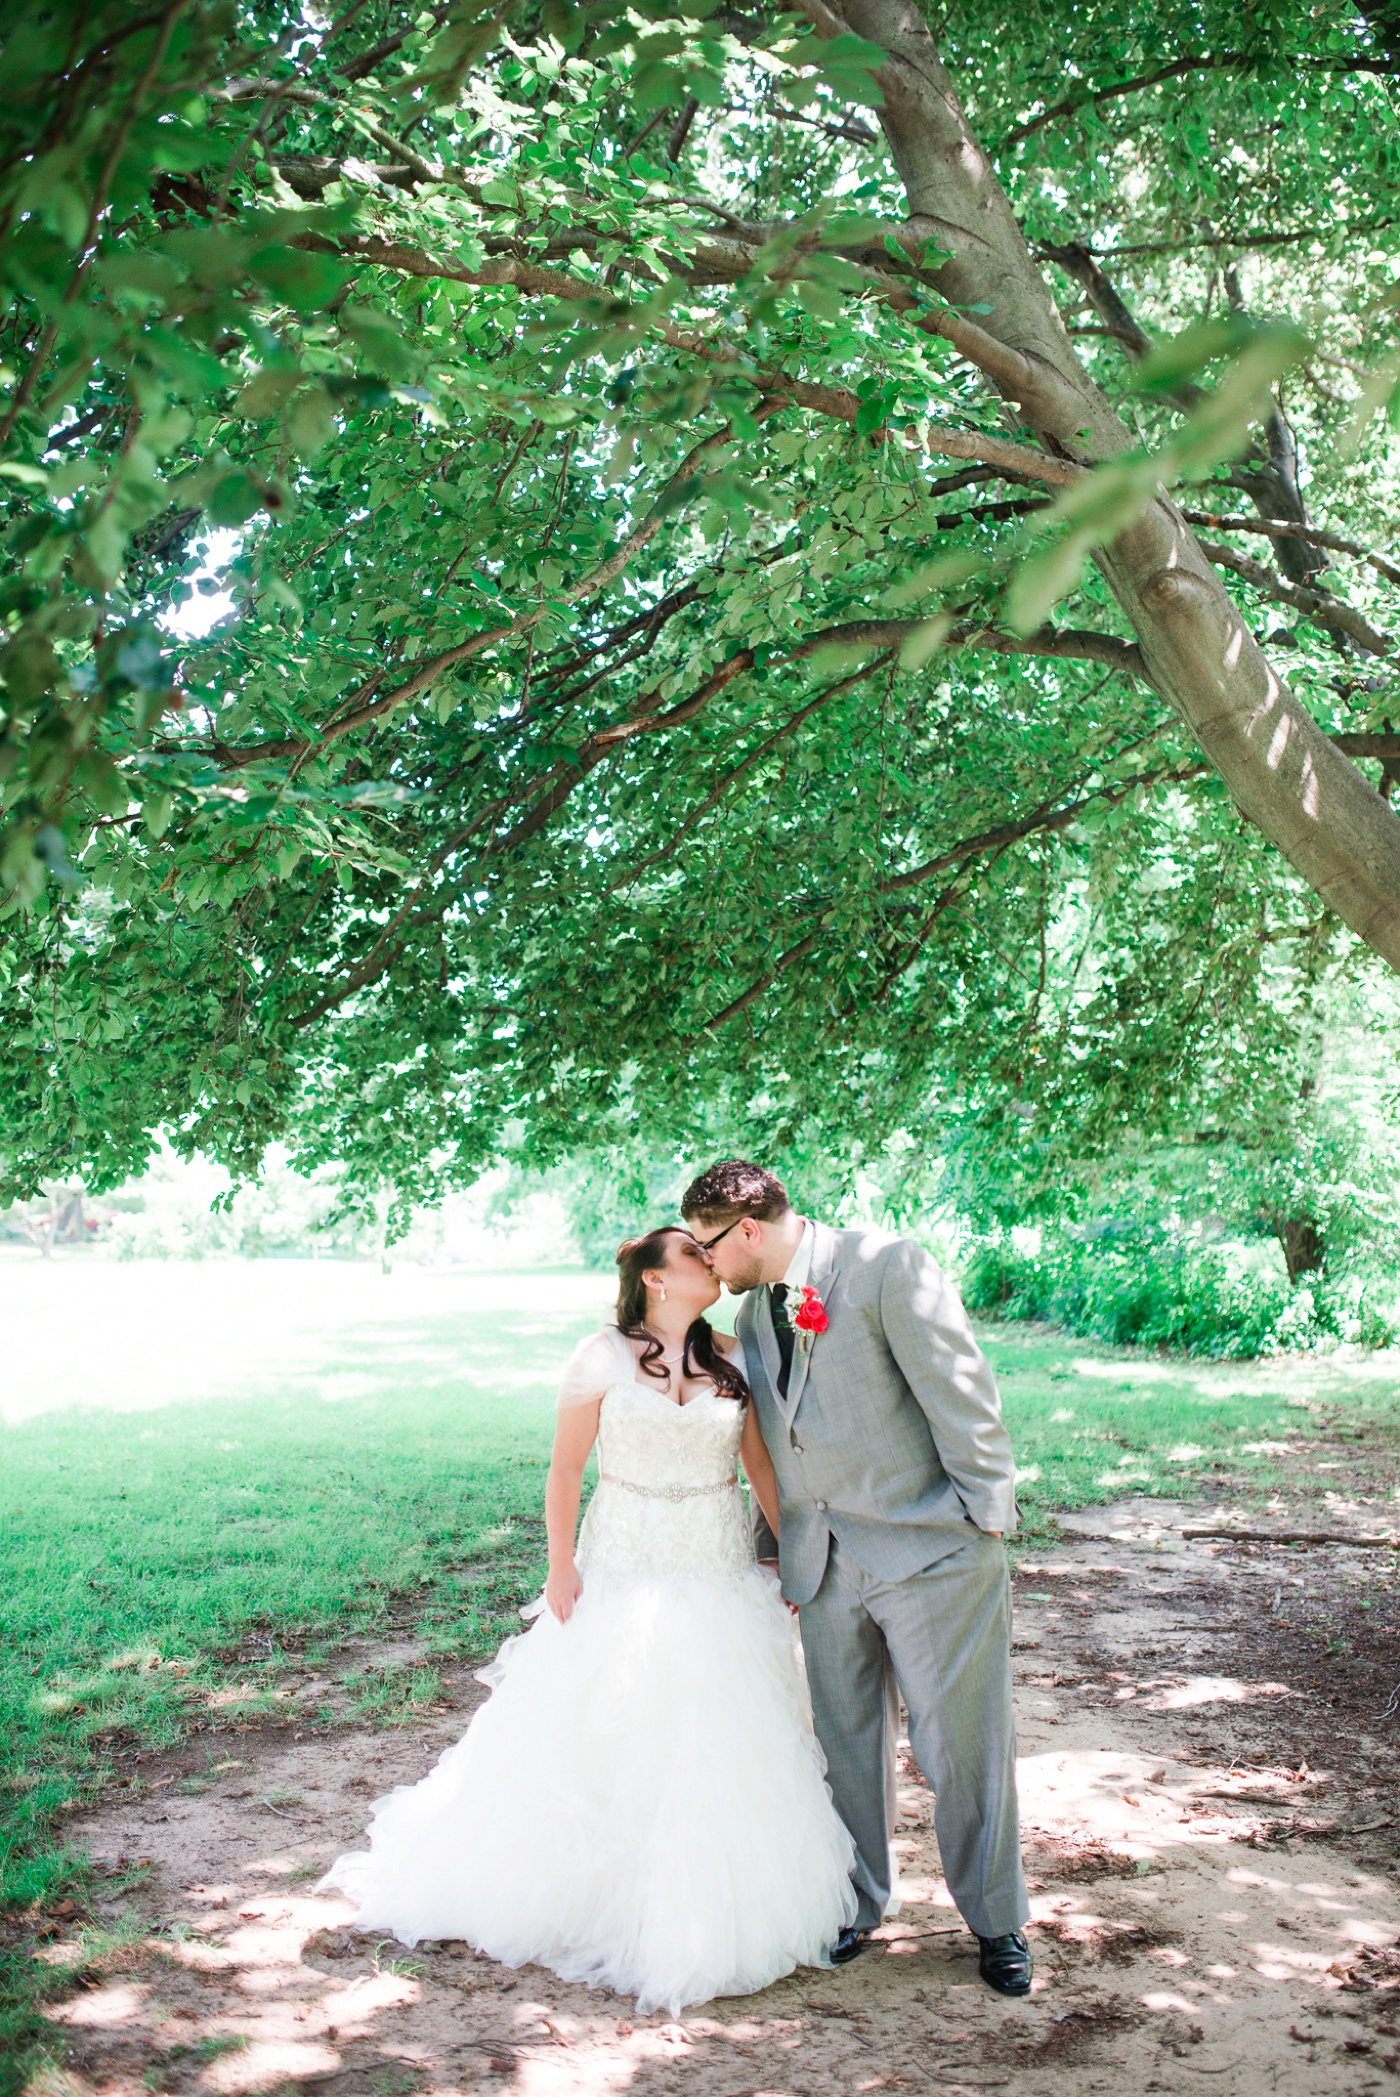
{"x": 1091, "y": 1423}
{"x": 204, "y": 1466}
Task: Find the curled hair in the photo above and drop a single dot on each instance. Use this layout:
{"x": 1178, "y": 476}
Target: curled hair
{"x": 701, "y": 1357}
{"x": 734, "y": 1188}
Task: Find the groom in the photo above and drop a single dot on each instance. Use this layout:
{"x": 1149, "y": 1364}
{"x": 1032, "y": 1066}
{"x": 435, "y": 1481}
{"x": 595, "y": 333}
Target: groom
{"x": 895, "y": 1484}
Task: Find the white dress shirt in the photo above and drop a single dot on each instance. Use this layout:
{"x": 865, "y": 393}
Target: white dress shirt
{"x": 800, "y": 1265}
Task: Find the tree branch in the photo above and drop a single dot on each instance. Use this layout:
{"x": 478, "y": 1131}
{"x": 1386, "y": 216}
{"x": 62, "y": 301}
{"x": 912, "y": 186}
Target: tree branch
{"x": 1251, "y": 239}
{"x": 1136, "y": 86}
{"x": 647, "y": 719}
{"x": 680, "y": 130}
{"x": 836, "y": 402}
{"x": 755, "y": 990}
{"x": 1081, "y": 263}
{"x": 852, "y": 128}
{"x": 1268, "y": 472}
{"x": 1310, "y": 603}
{"x": 997, "y": 839}
{"x": 462, "y": 651}
{"x": 1281, "y": 528}
{"x": 712, "y": 800}
{"x": 356, "y": 68}
{"x": 1047, "y": 817}
{"x": 1224, "y": 59}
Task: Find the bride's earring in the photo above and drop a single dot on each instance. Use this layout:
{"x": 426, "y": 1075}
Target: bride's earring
{"x": 661, "y": 1292}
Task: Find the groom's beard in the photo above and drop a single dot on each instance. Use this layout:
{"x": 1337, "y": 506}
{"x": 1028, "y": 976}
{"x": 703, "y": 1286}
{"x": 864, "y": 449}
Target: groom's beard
{"x": 749, "y": 1276}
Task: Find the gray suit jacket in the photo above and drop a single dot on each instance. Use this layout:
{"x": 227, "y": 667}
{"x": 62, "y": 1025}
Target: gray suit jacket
{"x": 890, "y": 1437}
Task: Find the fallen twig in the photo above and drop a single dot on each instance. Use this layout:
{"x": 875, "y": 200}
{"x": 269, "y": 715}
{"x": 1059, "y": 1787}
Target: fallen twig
{"x": 1299, "y": 1536}
{"x": 942, "y": 1929}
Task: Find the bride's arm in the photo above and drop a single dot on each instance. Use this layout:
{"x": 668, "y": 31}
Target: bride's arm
{"x": 575, "y": 1432}
{"x": 758, "y": 1467}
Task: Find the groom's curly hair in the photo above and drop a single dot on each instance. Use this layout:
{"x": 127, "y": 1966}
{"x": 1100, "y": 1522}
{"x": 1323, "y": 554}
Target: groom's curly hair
{"x": 734, "y": 1188}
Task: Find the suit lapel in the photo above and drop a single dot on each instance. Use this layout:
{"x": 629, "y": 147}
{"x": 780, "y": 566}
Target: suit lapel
{"x": 819, "y": 1275}
{"x": 754, "y": 1326}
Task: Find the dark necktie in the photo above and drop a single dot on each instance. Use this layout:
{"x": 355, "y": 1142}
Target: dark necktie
{"x": 783, "y": 1333}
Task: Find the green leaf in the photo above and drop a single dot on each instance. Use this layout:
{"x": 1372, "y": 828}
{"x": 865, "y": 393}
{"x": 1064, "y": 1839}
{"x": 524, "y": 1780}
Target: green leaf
{"x": 850, "y": 63}
{"x": 156, "y": 811}
{"x": 311, "y": 421}
{"x": 852, "y": 230}
{"x": 193, "y": 370}
{"x": 98, "y": 778}
{"x": 379, "y": 338}
{"x": 1041, "y": 581}
{"x": 305, "y": 282}
{"x": 1168, "y": 365}
{"x": 213, "y": 256}
{"x": 946, "y": 572}
{"x": 822, "y": 301}
{"x": 267, "y": 390}
{"x": 234, "y": 498}
{"x": 929, "y": 635}
{"x": 135, "y": 269}
{"x": 30, "y": 668}
{"x": 50, "y": 849}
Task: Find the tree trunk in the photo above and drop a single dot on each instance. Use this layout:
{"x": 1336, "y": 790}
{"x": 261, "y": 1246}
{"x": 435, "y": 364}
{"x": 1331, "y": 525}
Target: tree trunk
{"x": 1284, "y": 775}
{"x": 1304, "y": 1251}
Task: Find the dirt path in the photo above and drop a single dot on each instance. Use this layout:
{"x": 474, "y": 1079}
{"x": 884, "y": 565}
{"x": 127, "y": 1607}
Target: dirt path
{"x": 1207, "y": 1797}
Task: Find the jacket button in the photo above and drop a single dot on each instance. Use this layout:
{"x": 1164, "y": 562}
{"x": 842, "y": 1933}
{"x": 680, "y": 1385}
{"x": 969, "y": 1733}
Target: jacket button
{"x": 821, "y": 1507}
{"x": 797, "y": 1449}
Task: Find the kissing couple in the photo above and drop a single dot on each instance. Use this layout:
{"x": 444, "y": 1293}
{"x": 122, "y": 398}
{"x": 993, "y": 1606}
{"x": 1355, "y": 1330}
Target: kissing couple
{"x": 658, "y": 1798}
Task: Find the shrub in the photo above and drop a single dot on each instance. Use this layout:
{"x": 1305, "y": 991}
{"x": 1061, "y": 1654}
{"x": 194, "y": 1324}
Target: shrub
{"x": 1151, "y": 1286}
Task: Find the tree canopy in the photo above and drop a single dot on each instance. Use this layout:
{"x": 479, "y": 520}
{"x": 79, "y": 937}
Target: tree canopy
{"x": 755, "y": 560}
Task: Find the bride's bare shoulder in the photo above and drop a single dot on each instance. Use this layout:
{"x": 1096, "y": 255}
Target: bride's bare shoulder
{"x": 726, "y": 1342}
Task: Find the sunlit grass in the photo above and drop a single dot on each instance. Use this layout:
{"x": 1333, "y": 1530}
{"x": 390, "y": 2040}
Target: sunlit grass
{"x": 1091, "y": 1423}
{"x": 160, "y": 1569}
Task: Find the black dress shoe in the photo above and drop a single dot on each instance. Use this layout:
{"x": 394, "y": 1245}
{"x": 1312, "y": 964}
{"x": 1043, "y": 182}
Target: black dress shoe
{"x": 1005, "y": 1963}
{"x": 851, "y": 1943}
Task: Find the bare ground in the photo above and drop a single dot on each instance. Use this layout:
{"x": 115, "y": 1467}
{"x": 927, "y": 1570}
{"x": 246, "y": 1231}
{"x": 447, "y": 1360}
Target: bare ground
{"x": 1208, "y": 1761}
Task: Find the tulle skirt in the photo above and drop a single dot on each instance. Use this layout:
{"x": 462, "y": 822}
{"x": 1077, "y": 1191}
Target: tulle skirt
{"x": 640, "y": 1805}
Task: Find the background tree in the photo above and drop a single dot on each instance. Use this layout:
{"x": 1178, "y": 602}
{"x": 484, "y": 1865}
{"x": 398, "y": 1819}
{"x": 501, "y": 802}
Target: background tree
{"x": 651, "y": 464}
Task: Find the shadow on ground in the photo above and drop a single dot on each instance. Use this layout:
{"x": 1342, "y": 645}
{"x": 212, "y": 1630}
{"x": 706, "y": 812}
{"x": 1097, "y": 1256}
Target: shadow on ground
{"x": 1209, "y": 1838}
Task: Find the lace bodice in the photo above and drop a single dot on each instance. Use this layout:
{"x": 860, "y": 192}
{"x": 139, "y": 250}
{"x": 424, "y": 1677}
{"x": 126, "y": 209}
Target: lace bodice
{"x": 667, "y": 1498}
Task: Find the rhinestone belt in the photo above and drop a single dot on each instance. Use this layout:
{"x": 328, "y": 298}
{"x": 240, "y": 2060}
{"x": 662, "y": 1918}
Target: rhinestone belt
{"x": 670, "y": 1492}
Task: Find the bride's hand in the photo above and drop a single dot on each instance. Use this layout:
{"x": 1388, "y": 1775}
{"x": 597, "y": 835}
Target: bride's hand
{"x": 562, "y": 1590}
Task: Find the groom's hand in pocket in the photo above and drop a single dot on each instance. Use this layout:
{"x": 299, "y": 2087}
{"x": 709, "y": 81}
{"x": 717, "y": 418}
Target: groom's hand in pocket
{"x": 562, "y": 1590}
{"x": 769, "y": 1566}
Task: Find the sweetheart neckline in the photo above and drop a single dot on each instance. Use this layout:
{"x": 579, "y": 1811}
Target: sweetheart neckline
{"x": 677, "y": 1405}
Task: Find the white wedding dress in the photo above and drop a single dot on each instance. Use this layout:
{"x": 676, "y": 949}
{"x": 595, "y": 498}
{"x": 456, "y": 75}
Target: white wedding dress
{"x": 640, "y": 1805}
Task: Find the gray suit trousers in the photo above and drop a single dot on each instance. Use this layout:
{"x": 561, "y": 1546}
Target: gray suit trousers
{"x": 946, "y": 1633}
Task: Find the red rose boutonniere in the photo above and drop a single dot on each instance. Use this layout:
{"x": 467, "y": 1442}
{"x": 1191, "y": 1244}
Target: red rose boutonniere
{"x": 810, "y": 1317}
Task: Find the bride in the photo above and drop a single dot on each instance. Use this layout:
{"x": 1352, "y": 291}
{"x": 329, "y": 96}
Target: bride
{"x": 640, "y": 1805}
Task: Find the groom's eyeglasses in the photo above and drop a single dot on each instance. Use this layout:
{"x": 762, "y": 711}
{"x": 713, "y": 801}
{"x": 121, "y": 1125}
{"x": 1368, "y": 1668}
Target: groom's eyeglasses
{"x": 707, "y": 1245}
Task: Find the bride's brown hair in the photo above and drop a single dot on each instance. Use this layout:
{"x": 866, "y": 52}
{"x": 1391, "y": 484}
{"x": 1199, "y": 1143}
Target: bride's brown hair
{"x": 702, "y": 1357}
